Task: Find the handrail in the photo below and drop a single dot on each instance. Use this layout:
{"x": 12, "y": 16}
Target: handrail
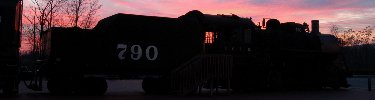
{"x": 200, "y": 69}
{"x": 195, "y": 58}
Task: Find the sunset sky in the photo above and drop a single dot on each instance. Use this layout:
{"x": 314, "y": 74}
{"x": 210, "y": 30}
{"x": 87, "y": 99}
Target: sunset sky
{"x": 355, "y": 14}
{"x": 345, "y": 13}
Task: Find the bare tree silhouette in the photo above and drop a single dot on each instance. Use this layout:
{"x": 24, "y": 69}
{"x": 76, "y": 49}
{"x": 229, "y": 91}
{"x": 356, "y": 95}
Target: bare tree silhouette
{"x": 44, "y": 14}
{"x": 40, "y": 17}
{"x": 82, "y": 13}
{"x": 358, "y": 49}
{"x": 351, "y": 37}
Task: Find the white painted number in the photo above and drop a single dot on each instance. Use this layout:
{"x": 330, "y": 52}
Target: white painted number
{"x": 155, "y": 51}
{"x": 121, "y": 55}
{"x": 137, "y": 52}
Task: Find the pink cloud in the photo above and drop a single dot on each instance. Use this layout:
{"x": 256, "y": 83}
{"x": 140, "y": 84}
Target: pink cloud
{"x": 355, "y": 14}
{"x": 329, "y": 12}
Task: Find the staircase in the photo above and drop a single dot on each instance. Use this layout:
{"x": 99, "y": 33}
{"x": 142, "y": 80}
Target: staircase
{"x": 199, "y": 70}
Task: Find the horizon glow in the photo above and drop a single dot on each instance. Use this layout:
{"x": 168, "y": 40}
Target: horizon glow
{"x": 354, "y": 14}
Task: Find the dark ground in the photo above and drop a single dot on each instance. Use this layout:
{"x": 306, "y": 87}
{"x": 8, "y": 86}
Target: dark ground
{"x": 131, "y": 90}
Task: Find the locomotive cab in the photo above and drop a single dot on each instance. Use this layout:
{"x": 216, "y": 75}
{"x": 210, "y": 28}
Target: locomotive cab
{"x": 227, "y": 33}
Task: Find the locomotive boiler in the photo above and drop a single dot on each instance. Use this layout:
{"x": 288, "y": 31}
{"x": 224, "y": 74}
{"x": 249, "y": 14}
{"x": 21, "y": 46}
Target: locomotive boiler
{"x": 178, "y": 55}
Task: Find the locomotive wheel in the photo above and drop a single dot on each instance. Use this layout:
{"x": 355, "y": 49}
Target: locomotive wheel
{"x": 155, "y": 86}
{"x": 58, "y": 86}
{"x": 10, "y": 89}
{"x": 149, "y": 85}
{"x": 9, "y": 92}
{"x": 335, "y": 85}
{"x": 92, "y": 86}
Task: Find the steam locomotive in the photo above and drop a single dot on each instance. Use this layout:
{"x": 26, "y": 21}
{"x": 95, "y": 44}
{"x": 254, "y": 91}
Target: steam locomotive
{"x": 177, "y": 55}
{"x": 181, "y": 54}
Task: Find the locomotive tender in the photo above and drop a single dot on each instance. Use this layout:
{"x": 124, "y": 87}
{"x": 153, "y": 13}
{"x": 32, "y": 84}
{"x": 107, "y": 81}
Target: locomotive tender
{"x": 184, "y": 53}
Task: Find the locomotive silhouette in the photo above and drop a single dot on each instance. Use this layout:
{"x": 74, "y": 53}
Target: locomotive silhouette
{"x": 180, "y": 55}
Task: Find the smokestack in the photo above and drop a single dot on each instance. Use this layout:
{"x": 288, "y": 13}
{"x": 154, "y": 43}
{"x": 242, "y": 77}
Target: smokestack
{"x": 315, "y": 27}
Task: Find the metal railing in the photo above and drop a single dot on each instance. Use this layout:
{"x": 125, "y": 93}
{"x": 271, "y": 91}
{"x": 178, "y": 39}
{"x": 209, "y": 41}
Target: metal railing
{"x": 200, "y": 69}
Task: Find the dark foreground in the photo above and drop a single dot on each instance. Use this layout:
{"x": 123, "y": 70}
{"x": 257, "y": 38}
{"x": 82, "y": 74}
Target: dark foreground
{"x": 131, "y": 90}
